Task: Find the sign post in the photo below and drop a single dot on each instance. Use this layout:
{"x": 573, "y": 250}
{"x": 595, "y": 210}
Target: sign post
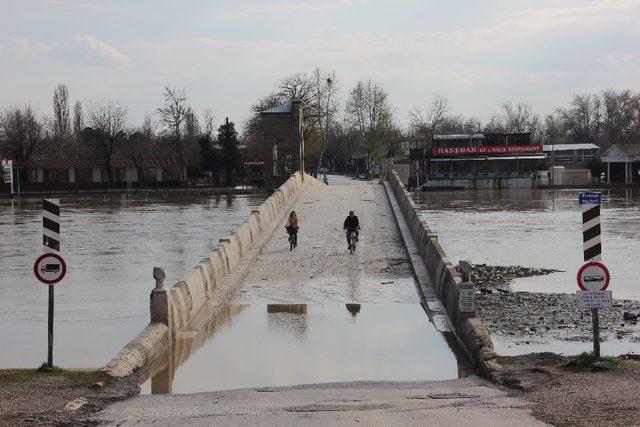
{"x": 50, "y": 268}
{"x": 593, "y": 277}
{"x": 7, "y": 172}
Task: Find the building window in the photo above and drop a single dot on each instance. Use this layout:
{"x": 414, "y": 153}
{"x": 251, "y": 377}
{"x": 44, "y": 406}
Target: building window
{"x": 171, "y": 174}
{"x": 84, "y": 175}
{"x": 120, "y": 174}
{"x": 104, "y": 175}
{"x": 56, "y": 175}
{"x": 150, "y": 174}
{"x": 32, "y": 175}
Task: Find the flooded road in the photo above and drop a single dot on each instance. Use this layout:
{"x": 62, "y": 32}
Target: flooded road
{"x": 110, "y": 243}
{"x": 318, "y": 313}
{"x": 537, "y": 228}
{"x": 289, "y": 344}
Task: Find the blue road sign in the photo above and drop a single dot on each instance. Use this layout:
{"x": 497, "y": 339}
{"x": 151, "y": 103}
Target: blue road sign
{"x": 592, "y": 198}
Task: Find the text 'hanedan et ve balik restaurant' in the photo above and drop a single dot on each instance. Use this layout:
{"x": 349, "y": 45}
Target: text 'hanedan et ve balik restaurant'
{"x": 481, "y": 156}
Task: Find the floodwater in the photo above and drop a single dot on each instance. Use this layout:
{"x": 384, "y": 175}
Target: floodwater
{"x": 262, "y": 345}
{"x": 537, "y": 228}
{"x": 111, "y": 243}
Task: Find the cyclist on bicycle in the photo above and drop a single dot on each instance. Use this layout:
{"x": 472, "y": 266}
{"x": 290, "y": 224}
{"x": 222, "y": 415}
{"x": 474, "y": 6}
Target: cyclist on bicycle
{"x": 351, "y": 223}
{"x": 292, "y": 225}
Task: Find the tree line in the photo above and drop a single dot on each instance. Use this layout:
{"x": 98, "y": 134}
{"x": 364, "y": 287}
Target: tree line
{"x": 101, "y": 130}
{"x": 363, "y": 123}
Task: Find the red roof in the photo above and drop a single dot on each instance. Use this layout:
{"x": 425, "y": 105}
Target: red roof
{"x": 99, "y": 163}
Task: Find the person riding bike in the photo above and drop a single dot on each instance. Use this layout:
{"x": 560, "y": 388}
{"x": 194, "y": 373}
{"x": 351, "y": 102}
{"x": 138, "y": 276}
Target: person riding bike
{"x": 351, "y": 223}
{"x": 293, "y": 226}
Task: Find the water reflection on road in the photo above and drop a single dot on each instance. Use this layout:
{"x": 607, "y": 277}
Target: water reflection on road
{"x": 537, "y": 228}
{"x": 110, "y": 243}
{"x": 286, "y": 344}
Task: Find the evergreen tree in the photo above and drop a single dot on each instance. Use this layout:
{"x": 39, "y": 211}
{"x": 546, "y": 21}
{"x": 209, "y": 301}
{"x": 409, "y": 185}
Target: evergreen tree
{"x": 230, "y": 152}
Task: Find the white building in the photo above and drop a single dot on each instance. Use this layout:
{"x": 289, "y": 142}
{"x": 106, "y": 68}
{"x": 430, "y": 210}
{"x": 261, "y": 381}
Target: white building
{"x": 623, "y": 163}
{"x": 571, "y": 156}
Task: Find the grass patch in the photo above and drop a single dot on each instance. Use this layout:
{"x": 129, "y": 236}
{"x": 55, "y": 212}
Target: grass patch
{"x": 15, "y": 376}
{"x": 583, "y": 361}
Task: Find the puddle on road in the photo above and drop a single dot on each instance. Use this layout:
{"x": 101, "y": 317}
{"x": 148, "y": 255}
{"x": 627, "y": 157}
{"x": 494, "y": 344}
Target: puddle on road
{"x": 288, "y": 344}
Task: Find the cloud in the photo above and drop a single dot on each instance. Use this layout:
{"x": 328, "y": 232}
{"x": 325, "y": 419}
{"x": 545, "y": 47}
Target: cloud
{"x": 294, "y": 8}
{"x": 621, "y": 59}
{"x": 81, "y": 48}
{"x": 25, "y": 47}
{"x": 101, "y": 50}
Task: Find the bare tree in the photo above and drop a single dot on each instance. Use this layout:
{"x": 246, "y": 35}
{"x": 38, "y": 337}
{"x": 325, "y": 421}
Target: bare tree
{"x": 140, "y": 145}
{"x": 78, "y": 119}
{"x": 494, "y": 125}
{"x": 298, "y": 85}
{"x": 324, "y": 107}
{"x": 20, "y": 132}
{"x": 61, "y": 116}
{"x": 107, "y": 121}
{"x": 583, "y": 119}
{"x": 619, "y": 115}
{"x": 370, "y": 114}
{"x": 172, "y": 115}
{"x": 426, "y": 124}
{"x": 554, "y": 128}
{"x": 208, "y": 118}
{"x": 520, "y": 118}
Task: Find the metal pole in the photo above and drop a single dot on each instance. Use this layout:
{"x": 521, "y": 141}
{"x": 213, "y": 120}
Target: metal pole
{"x": 50, "y": 347}
{"x": 596, "y": 333}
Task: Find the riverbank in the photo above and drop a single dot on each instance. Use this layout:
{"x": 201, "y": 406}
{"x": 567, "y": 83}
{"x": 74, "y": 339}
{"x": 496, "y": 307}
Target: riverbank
{"x": 138, "y": 191}
{"x": 601, "y": 394}
{"x": 525, "y": 318}
{"x": 61, "y": 397}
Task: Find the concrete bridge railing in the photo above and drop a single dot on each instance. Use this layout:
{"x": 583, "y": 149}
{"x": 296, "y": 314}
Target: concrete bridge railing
{"x": 469, "y": 330}
{"x": 173, "y": 309}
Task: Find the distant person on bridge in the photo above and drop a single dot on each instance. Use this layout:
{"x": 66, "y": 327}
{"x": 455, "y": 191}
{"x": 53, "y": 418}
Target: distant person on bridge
{"x": 292, "y": 227}
{"x": 351, "y": 223}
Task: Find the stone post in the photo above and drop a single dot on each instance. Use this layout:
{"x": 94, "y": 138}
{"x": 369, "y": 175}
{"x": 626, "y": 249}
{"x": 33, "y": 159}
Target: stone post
{"x": 160, "y": 299}
{"x": 465, "y": 268}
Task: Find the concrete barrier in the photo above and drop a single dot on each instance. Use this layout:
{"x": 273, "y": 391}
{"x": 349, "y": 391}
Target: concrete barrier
{"x": 172, "y": 309}
{"x": 468, "y": 329}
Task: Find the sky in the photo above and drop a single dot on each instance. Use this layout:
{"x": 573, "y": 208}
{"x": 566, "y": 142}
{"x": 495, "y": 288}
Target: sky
{"x": 225, "y": 55}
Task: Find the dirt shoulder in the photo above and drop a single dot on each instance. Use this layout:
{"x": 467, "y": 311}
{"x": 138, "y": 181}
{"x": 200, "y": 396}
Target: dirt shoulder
{"x": 58, "y": 398}
{"x": 537, "y": 318}
{"x": 606, "y": 394}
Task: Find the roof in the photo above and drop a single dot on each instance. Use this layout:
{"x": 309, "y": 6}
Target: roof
{"x": 459, "y": 136}
{"x": 99, "y": 163}
{"x": 279, "y": 109}
{"x": 569, "y": 147}
{"x": 622, "y": 150}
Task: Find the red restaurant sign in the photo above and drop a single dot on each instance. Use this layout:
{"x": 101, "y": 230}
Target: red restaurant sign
{"x": 492, "y": 149}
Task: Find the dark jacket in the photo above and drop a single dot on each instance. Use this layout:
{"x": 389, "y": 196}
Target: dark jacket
{"x": 351, "y": 222}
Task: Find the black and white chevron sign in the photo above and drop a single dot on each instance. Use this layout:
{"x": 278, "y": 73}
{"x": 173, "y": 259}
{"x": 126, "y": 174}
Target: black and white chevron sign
{"x": 51, "y": 223}
{"x": 591, "y": 242}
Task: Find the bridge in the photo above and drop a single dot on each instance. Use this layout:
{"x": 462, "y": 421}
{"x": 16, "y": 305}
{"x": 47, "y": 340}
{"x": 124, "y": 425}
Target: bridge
{"x": 208, "y": 332}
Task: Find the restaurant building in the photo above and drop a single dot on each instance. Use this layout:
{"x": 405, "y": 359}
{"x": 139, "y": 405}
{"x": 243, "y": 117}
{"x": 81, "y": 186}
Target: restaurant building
{"x": 488, "y": 160}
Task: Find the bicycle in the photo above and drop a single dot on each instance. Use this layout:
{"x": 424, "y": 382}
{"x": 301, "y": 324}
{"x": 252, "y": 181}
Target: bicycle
{"x": 293, "y": 238}
{"x": 352, "y": 241}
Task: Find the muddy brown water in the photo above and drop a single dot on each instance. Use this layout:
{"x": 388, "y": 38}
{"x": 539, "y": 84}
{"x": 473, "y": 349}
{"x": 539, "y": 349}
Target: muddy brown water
{"x": 264, "y": 345}
{"x": 537, "y": 228}
{"x": 540, "y": 228}
{"x": 111, "y": 243}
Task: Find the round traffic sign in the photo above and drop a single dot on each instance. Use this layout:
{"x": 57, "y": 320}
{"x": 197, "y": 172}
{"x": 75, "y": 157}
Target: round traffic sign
{"x": 50, "y": 268}
{"x": 593, "y": 276}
